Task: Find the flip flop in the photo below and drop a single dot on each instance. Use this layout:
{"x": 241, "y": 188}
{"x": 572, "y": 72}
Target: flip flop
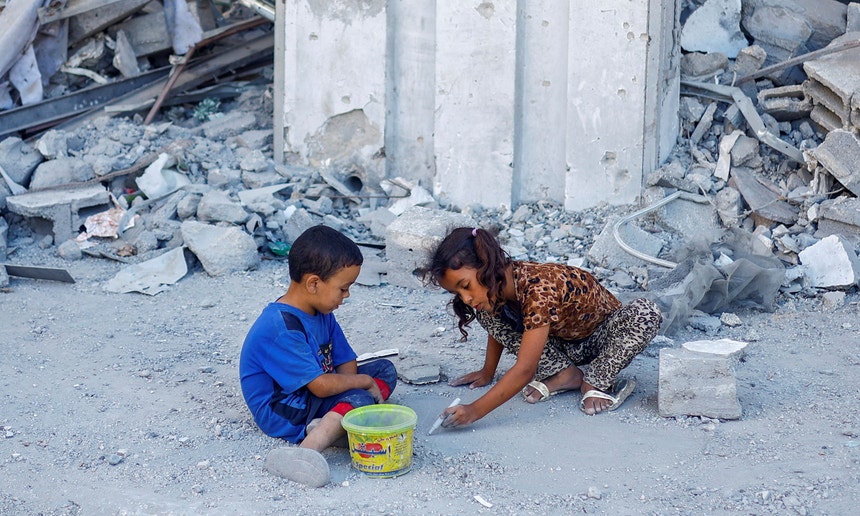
{"x": 622, "y": 390}
{"x": 542, "y": 389}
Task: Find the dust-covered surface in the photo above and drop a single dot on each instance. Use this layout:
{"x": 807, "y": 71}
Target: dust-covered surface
{"x": 130, "y": 404}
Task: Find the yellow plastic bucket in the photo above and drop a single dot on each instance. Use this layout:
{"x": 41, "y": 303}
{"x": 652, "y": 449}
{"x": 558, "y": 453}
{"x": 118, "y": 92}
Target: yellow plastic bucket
{"x": 380, "y": 439}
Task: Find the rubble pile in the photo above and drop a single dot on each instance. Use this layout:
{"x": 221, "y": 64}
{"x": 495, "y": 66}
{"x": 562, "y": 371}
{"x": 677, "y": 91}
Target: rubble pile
{"x": 758, "y": 199}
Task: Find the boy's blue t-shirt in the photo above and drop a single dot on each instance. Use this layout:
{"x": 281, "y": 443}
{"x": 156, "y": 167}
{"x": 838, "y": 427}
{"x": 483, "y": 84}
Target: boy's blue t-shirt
{"x": 277, "y": 363}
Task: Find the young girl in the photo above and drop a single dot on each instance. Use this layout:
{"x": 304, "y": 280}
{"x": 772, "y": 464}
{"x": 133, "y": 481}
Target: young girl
{"x": 553, "y": 317}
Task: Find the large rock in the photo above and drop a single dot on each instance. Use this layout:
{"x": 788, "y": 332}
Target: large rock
{"x": 221, "y": 250}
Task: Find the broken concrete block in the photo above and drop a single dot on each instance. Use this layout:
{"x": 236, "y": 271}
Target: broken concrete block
{"x": 782, "y": 34}
{"x": 693, "y": 383}
{"x": 411, "y": 238}
{"x": 606, "y": 252}
{"x": 221, "y": 250}
{"x": 763, "y": 201}
{"x": 715, "y": 27}
{"x": 834, "y": 78}
{"x": 831, "y": 263}
{"x": 61, "y": 207}
{"x": 839, "y": 153}
{"x": 147, "y": 34}
{"x": 785, "y": 103}
{"x": 695, "y": 222}
{"x": 839, "y": 216}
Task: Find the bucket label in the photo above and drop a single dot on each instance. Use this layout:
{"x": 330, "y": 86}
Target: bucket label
{"x": 381, "y": 455}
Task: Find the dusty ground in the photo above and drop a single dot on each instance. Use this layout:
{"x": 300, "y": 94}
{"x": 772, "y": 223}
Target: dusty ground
{"x": 130, "y": 404}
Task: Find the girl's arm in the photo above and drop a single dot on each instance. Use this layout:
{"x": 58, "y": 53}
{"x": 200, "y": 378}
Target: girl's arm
{"x": 510, "y": 384}
{"x": 485, "y": 375}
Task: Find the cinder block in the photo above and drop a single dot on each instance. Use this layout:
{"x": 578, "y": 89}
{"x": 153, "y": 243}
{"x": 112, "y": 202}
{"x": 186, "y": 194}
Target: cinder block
{"x": 411, "y": 238}
{"x": 839, "y": 153}
{"x": 61, "y": 207}
{"x": 785, "y": 103}
{"x": 696, "y": 384}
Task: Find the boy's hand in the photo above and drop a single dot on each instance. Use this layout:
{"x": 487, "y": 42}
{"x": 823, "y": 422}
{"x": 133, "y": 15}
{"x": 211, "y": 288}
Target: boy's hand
{"x": 475, "y": 379}
{"x": 375, "y": 392}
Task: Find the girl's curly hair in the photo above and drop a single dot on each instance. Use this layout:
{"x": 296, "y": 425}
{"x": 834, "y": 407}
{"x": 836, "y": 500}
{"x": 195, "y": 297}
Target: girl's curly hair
{"x": 475, "y": 248}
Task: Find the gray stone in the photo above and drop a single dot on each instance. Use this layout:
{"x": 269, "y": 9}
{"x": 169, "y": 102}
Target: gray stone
{"x": 698, "y": 65}
{"x": 231, "y": 124}
{"x": 832, "y": 300}
{"x": 419, "y": 374}
{"x": 297, "y": 223}
{"x": 255, "y": 139}
{"x": 216, "y": 206}
{"x": 696, "y": 384}
{"x": 53, "y": 144}
{"x": 221, "y": 250}
{"x": 18, "y": 159}
{"x": 69, "y": 250}
{"x": 61, "y": 171}
{"x": 254, "y": 161}
{"x": 187, "y": 206}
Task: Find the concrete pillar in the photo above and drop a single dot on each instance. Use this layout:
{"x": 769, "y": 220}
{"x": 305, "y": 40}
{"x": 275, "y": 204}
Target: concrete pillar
{"x": 540, "y": 100}
{"x": 474, "y": 102}
{"x": 410, "y": 90}
{"x": 623, "y": 92}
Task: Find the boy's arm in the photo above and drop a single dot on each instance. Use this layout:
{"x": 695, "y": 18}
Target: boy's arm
{"x": 350, "y": 367}
{"x": 331, "y": 384}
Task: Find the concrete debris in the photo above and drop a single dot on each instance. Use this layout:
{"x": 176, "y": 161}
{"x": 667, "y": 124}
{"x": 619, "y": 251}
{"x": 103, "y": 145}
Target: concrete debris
{"x": 697, "y": 383}
{"x": 768, "y": 156}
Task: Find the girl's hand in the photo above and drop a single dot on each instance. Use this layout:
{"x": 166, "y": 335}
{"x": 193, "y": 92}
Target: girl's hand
{"x": 461, "y": 415}
{"x": 475, "y": 379}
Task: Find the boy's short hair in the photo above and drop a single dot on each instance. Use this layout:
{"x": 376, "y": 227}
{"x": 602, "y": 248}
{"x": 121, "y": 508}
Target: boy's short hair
{"x": 323, "y": 251}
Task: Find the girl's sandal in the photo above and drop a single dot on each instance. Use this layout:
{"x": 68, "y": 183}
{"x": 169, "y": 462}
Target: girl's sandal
{"x": 622, "y": 390}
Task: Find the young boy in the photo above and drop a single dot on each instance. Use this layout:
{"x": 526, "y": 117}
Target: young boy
{"x": 298, "y": 373}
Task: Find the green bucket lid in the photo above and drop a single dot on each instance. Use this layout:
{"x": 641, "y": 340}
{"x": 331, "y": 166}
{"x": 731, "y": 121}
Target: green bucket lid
{"x": 379, "y": 419}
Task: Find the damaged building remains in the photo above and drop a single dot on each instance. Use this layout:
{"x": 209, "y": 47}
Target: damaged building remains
{"x": 137, "y": 130}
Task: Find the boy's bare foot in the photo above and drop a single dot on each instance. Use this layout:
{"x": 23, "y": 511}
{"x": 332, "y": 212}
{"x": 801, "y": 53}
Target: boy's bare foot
{"x": 324, "y": 432}
{"x": 567, "y": 379}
